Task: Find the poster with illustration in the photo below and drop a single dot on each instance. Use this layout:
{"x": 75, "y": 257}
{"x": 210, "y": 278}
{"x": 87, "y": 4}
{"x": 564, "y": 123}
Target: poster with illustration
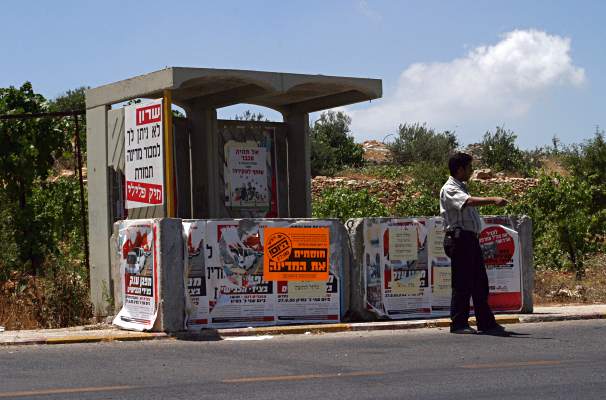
{"x": 500, "y": 246}
{"x": 138, "y": 267}
{"x": 195, "y": 264}
{"x": 312, "y": 301}
{"x": 403, "y": 244}
{"x": 237, "y": 294}
{"x": 248, "y": 178}
{"x": 439, "y": 266}
{"x": 372, "y": 269}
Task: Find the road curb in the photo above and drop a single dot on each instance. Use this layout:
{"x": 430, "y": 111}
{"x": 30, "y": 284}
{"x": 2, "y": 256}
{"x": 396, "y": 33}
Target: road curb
{"x": 555, "y": 318}
{"x": 90, "y": 339}
{"x": 302, "y": 329}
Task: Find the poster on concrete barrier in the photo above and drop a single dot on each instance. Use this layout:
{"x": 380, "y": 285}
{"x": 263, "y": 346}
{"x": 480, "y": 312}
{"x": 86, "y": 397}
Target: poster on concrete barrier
{"x": 406, "y": 290}
{"x": 311, "y": 301}
{"x": 195, "y": 264}
{"x": 500, "y": 246}
{"x": 439, "y": 269}
{"x": 139, "y": 270}
{"x": 372, "y": 268}
{"x": 237, "y": 293}
{"x": 144, "y": 154}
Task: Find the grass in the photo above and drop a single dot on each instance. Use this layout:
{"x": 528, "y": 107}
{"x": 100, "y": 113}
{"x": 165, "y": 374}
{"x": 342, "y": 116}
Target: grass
{"x": 58, "y": 299}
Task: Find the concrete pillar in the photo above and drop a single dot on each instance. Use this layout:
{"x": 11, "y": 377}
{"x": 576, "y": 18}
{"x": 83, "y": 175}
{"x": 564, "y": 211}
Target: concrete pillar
{"x": 98, "y": 206}
{"x": 206, "y": 189}
{"x": 523, "y": 225}
{"x": 299, "y": 167}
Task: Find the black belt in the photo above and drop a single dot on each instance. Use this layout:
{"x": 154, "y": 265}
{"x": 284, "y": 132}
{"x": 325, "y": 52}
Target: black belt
{"x": 453, "y": 233}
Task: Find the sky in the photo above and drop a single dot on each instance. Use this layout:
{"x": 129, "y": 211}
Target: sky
{"x": 535, "y": 67}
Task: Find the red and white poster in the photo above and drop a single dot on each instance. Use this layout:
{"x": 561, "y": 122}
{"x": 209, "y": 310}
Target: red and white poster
{"x": 248, "y": 188}
{"x": 237, "y": 293}
{"x": 195, "y": 264}
{"x": 501, "y": 249}
{"x": 138, "y": 267}
{"x": 144, "y": 154}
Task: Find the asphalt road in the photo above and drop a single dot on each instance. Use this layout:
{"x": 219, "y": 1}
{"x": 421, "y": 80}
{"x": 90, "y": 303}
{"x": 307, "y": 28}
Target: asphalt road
{"x": 543, "y": 360}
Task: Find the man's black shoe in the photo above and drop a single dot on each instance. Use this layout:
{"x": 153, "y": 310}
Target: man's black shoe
{"x": 495, "y": 329}
{"x": 464, "y": 331}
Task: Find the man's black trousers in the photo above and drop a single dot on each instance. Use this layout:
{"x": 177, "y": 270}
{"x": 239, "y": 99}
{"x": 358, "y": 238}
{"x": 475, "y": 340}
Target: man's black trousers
{"x": 469, "y": 280}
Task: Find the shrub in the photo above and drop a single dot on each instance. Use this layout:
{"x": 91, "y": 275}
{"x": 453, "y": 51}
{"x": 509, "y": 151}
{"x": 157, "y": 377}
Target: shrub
{"x": 499, "y": 151}
{"x": 332, "y": 147}
{"x": 565, "y": 229}
{"x": 388, "y": 172}
{"x": 419, "y": 201}
{"x": 344, "y": 202}
{"x": 416, "y": 143}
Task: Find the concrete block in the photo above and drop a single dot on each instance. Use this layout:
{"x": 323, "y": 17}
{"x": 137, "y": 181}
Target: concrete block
{"x": 171, "y": 265}
{"x": 523, "y": 225}
{"x": 171, "y": 274}
{"x": 357, "y": 309}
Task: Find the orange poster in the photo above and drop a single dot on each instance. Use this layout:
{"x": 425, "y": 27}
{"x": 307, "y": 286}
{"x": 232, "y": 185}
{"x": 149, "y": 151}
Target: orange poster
{"x": 296, "y": 254}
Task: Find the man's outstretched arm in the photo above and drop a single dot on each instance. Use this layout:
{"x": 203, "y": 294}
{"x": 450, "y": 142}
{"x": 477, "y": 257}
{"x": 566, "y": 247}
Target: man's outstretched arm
{"x": 486, "y": 201}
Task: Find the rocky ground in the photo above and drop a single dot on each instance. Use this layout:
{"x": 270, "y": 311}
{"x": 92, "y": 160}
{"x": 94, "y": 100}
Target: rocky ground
{"x": 378, "y": 154}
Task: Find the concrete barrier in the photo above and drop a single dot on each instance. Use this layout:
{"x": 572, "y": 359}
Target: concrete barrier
{"x": 347, "y": 261}
{"x": 364, "y": 268}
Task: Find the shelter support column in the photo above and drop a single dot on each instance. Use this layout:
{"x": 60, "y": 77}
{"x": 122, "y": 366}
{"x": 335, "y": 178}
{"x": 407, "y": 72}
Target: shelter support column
{"x": 206, "y": 190}
{"x": 299, "y": 166}
{"x": 100, "y": 226}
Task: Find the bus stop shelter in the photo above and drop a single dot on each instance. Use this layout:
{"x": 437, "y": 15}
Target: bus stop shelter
{"x": 198, "y": 142}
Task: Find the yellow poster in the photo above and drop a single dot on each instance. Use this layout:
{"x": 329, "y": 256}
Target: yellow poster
{"x": 306, "y": 289}
{"x": 296, "y": 254}
{"x": 436, "y": 242}
{"x": 403, "y": 244}
{"x": 441, "y": 281}
{"x": 409, "y": 285}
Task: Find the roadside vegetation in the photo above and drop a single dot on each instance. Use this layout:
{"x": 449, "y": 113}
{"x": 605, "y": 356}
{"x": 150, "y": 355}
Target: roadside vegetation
{"x": 567, "y": 204}
{"x": 44, "y": 280}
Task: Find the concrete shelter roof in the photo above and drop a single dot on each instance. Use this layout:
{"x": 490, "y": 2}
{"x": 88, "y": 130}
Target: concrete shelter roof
{"x": 194, "y": 88}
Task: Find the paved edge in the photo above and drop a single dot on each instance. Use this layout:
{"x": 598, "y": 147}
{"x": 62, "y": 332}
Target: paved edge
{"x": 91, "y": 339}
{"x": 303, "y": 329}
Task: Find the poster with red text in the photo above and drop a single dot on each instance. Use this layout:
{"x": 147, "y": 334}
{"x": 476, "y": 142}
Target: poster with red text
{"x": 144, "y": 154}
{"x": 195, "y": 265}
{"x": 237, "y": 293}
{"x": 138, "y": 267}
{"x": 248, "y": 181}
{"x": 500, "y": 246}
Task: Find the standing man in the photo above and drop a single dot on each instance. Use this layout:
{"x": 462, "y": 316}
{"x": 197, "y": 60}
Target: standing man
{"x": 461, "y": 244}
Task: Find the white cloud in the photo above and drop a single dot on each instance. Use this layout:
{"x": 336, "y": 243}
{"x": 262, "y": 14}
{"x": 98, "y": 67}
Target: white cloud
{"x": 368, "y": 12}
{"x": 491, "y": 83}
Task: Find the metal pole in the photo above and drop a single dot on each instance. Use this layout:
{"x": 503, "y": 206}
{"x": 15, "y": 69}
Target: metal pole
{"x": 83, "y": 206}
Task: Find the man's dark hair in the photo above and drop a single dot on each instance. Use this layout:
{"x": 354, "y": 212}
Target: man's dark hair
{"x": 458, "y": 160}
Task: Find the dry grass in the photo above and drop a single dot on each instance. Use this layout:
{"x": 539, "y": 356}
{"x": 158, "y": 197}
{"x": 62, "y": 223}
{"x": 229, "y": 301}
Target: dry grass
{"x": 28, "y": 302}
{"x": 556, "y": 287}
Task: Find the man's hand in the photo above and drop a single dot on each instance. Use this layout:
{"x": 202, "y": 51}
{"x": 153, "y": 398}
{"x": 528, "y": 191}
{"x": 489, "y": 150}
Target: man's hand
{"x": 485, "y": 201}
{"x": 501, "y": 202}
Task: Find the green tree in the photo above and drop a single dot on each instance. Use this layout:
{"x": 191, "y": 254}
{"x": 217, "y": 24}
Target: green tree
{"x": 332, "y": 146}
{"x": 499, "y": 151}
{"x": 73, "y": 100}
{"x": 587, "y": 161}
{"x": 416, "y": 143}
{"x": 27, "y": 154}
{"x": 248, "y": 116}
